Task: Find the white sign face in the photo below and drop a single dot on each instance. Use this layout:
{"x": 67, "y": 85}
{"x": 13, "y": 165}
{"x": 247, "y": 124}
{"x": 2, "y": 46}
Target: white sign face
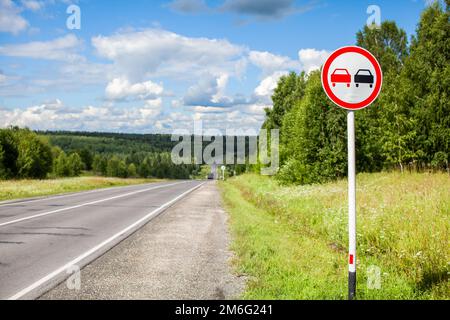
{"x": 347, "y": 67}
{"x": 352, "y": 78}
{"x": 223, "y": 168}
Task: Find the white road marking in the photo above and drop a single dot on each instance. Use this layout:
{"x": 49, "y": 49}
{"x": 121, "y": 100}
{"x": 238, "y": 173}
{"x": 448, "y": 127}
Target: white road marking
{"x": 85, "y": 204}
{"x": 57, "y": 197}
{"x": 80, "y": 258}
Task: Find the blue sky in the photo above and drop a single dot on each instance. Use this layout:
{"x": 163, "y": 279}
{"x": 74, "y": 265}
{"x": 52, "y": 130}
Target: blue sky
{"x": 156, "y": 66}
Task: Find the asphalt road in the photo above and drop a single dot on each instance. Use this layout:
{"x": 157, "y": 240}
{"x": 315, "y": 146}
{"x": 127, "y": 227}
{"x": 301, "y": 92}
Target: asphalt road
{"x": 182, "y": 254}
{"x": 42, "y": 239}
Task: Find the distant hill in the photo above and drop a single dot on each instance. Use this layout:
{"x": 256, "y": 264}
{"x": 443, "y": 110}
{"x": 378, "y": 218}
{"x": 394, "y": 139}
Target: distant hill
{"x": 109, "y": 143}
{"x": 116, "y": 143}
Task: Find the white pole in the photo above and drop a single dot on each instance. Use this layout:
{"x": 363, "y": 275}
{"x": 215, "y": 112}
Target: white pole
{"x": 351, "y": 205}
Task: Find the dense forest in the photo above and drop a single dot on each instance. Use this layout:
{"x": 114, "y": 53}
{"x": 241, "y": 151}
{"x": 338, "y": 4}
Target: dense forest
{"x": 407, "y": 128}
{"x": 102, "y": 142}
{"x": 26, "y": 154}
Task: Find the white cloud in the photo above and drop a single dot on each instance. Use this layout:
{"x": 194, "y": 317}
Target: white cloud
{"x": 209, "y": 91}
{"x": 120, "y": 88}
{"x": 268, "y": 85}
{"x": 54, "y": 115}
{"x": 10, "y": 19}
{"x": 63, "y": 49}
{"x": 154, "y": 103}
{"x": 176, "y": 103}
{"x": 156, "y": 52}
{"x": 256, "y": 109}
{"x": 207, "y": 109}
{"x": 270, "y": 63}
{"x": 312, "y": 59}
{"x": 32, "y": 5}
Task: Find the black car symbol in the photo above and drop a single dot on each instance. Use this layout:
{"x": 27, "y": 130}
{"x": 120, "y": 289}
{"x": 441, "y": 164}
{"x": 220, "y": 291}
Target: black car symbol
{"x": 364, "y": 76}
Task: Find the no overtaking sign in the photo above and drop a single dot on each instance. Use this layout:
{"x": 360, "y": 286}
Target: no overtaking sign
{"x": 352, "y": 79}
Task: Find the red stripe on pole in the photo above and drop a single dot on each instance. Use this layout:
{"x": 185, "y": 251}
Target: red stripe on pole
{"x": 351, "y": 259}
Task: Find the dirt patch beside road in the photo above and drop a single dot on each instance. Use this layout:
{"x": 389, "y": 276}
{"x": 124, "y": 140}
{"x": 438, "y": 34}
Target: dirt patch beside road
{"x": 182, "y": 254}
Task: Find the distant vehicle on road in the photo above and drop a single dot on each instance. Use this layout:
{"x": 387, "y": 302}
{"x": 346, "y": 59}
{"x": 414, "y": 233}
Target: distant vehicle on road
{"x": 341, "y": 76}
{"x": 364, "y": 76}
{"x": 211, "y": 176}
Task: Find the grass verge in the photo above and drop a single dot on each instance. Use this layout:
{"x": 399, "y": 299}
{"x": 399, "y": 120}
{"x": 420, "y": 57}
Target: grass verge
{"x": 19, "y": 189}
{"x": 292, "y": 241}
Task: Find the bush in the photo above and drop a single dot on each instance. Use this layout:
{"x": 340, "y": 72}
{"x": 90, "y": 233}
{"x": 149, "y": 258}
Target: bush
{"x": 440, "y": 161}
{"x": 8, "y": 154}
{"x": 23, "y": 154}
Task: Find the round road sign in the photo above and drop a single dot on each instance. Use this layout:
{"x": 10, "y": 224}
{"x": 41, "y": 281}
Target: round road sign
{"x": 352, "y": 78}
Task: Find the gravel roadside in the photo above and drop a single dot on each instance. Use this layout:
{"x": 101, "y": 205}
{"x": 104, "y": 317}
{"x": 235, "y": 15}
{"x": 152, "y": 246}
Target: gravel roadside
{"x": 182, "y": 254}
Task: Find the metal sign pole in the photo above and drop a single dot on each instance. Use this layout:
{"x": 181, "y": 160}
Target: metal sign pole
{"x": 351, "y": 205}
{"x": 223, "y": 172}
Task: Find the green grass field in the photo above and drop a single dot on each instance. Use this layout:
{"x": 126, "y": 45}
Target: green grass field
{"x": 291, "y": 242}
{"x": 18, "y": 189}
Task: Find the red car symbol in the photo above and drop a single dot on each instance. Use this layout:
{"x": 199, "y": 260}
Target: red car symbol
{"x": 341, "y": 76}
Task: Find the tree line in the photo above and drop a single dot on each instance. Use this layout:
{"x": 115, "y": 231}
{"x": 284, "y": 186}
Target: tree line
{"x": 24, "y": 154}
{"x": 408, "y": 127}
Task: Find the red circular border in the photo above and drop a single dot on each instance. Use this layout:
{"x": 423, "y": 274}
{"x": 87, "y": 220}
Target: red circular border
{"x": 332, "y": 96}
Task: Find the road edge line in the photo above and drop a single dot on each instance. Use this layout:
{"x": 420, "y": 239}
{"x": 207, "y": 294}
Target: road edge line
{"x": 43, "y": 214}
{"x": 12, "y": 202}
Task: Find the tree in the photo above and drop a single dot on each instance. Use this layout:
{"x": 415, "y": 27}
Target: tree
{"x": 2, "y": 168}
{"x": 426, "y": 77}
{"x": 87, "y": 158}
{"x": 75, "y": 164}
{"x": 61, "y": 165}
{"x": 35, "y": 155}
{"x": 99, "y": 165}
{"x": 122, "y": 170}
{"x": 132, "y": 173}
{"x": 388, "y": 43}
{"x": 376, "y": 130}
{"x": 289, "y": 90}
{"x": 10, "y": 153}
{"x": 144, "y": 168}
{"x": 113, "y": 167}
{"x": 56, "y": 151}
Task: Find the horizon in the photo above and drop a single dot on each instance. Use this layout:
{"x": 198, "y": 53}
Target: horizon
{"x": 127, "y": 133}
